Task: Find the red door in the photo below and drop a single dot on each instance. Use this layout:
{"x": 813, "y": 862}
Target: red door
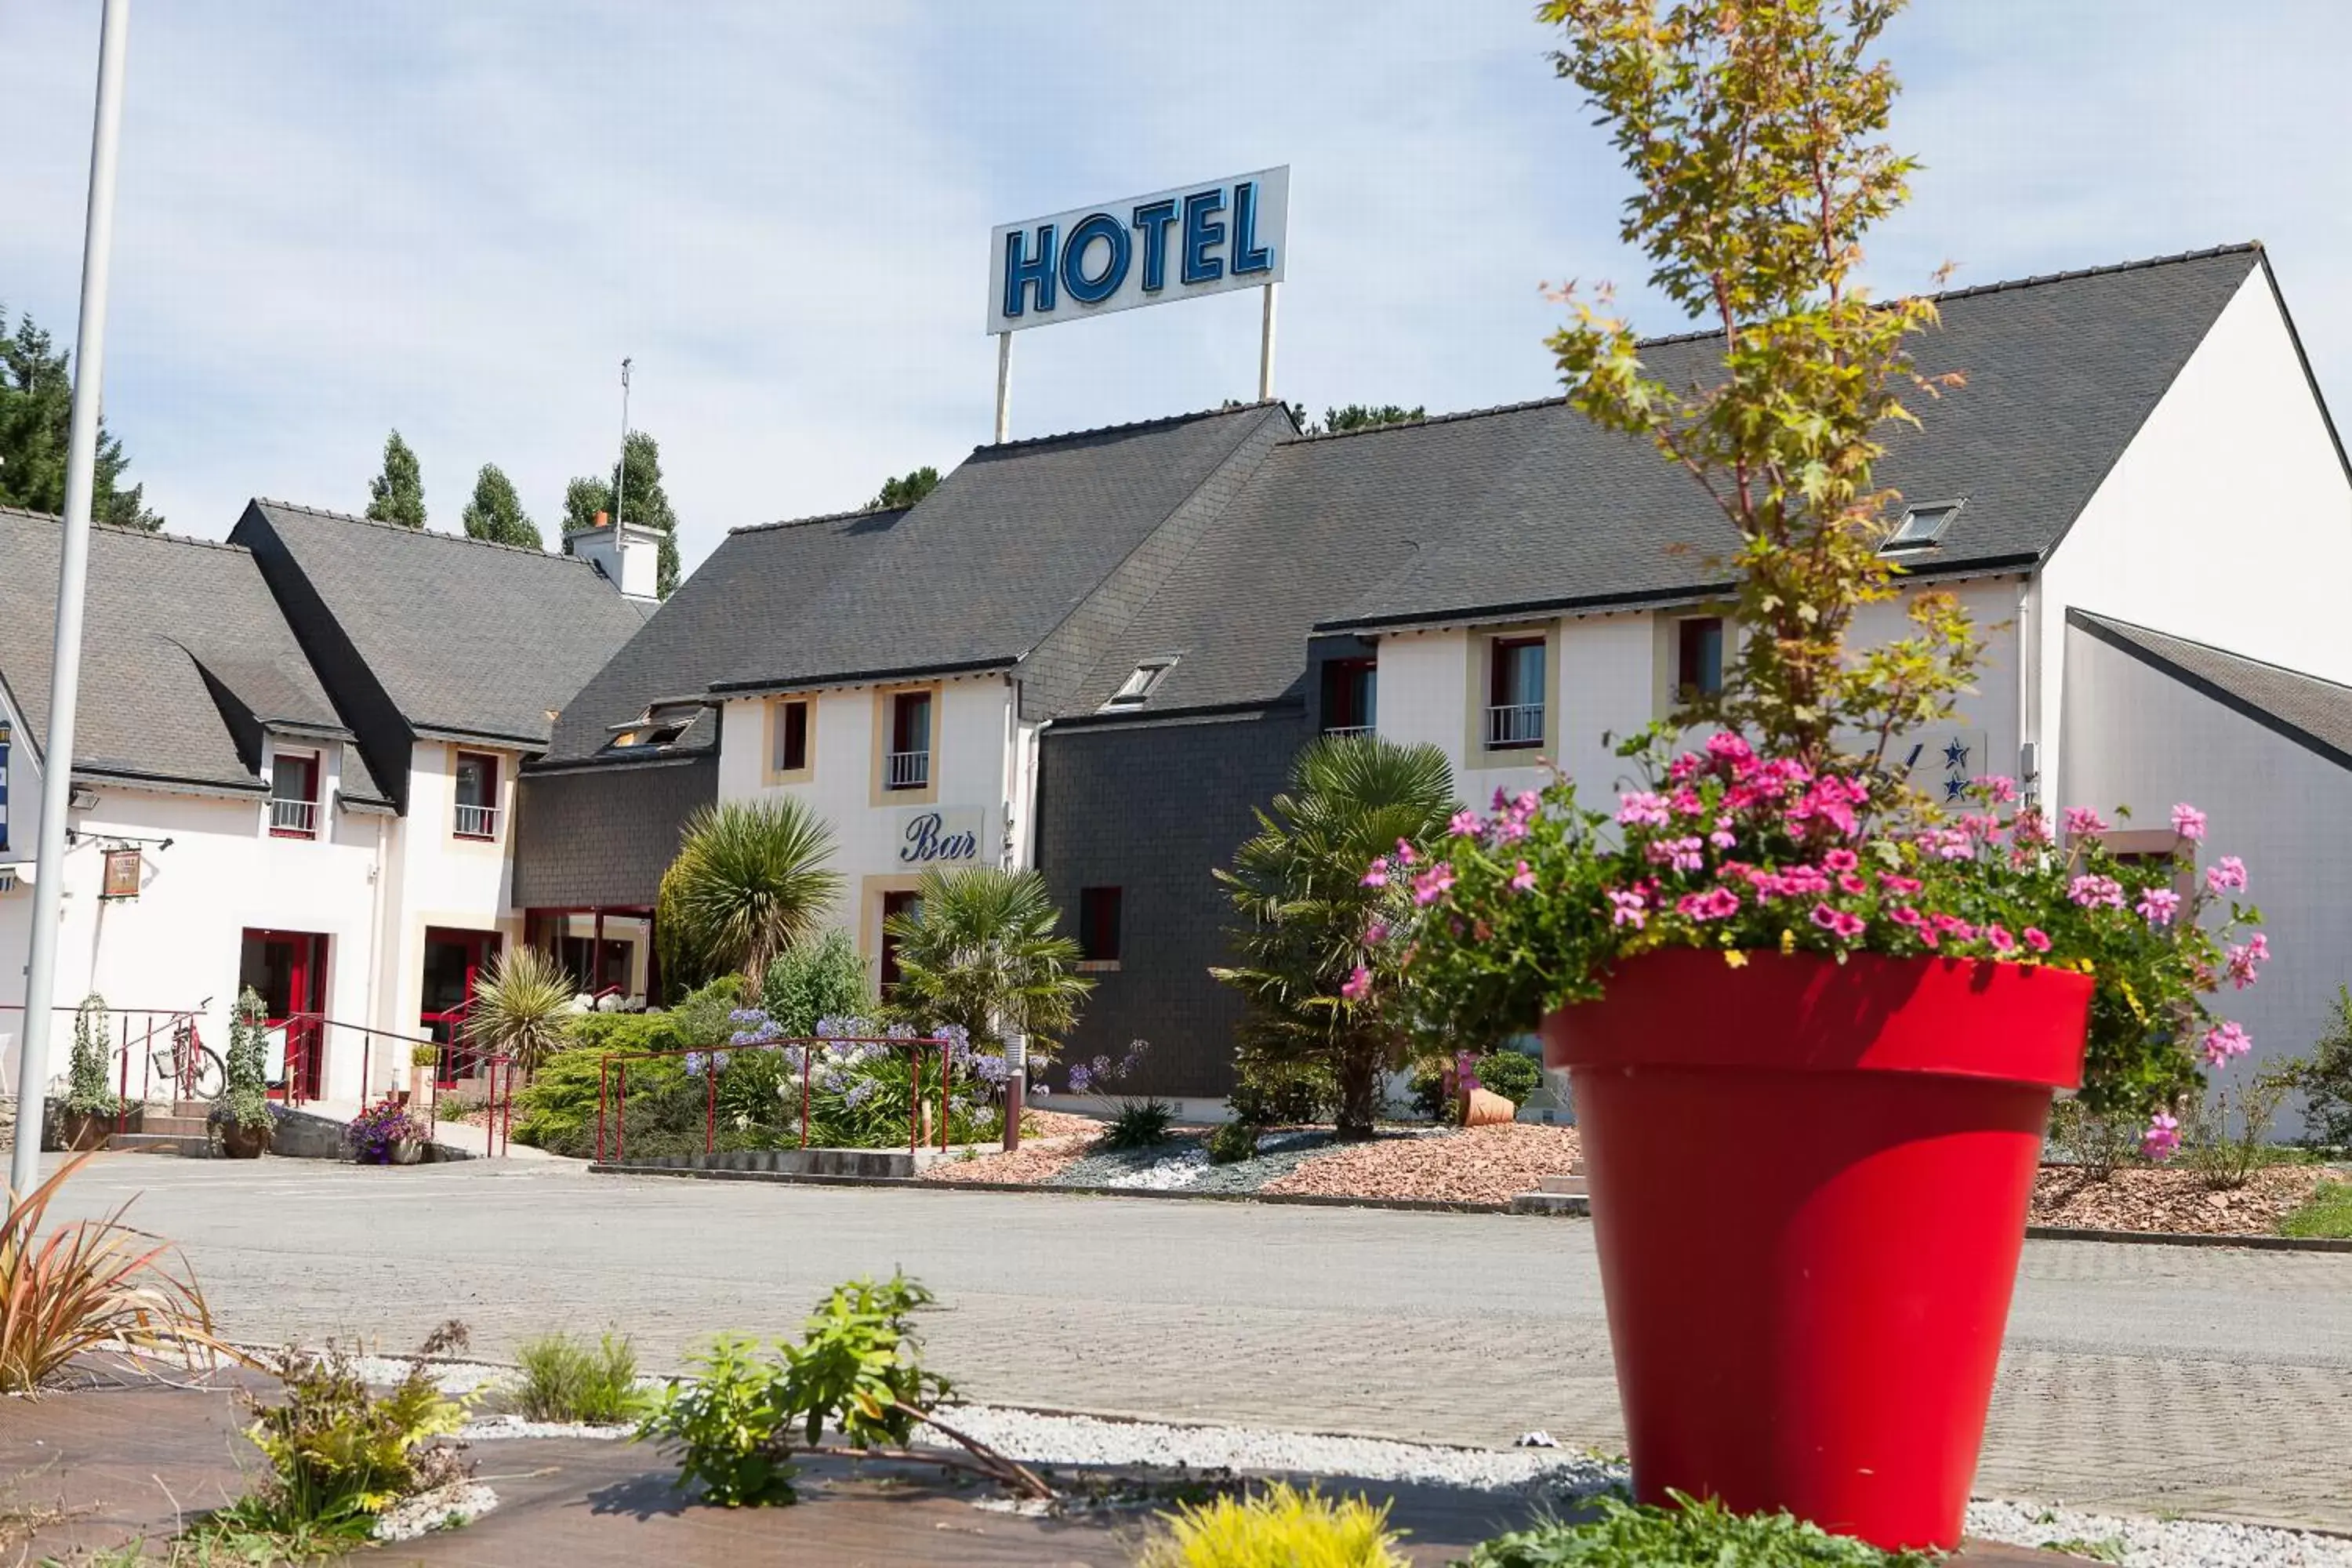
{"x": 289, "y": 968}
{"x": 454, "y": 961}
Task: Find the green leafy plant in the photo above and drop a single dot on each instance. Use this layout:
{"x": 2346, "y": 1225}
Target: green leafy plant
{"x": 425, "y": 1054}
{"x": 979, "y": 950}
{"x": 2105, "y": 1549}
{"x": 1309, "y": 925}
{"x": 1280, "y": 1091}
{"x": 1276, "y": 1527}
{"x": 564, "y": 1379}
{"x": 750, "y": 881}
{"x": 2094, "y": 1143}
{"x": 87, "y": 1093}
{"x": 2325, "y": 1079}
{"x": 857, "y": 1370}
{"x": 2224, "y": 1157}
{"x": 1691, "y": 1534}
{"x": 2327, "y": 1213}
{"x": 1232, "y": 1142}
{"x": 73, "y": 1286}
{"x": 338, "y": 1451}
{"x": 825, "y": 977}
{"x": 1140, "y": 1124}
{"x": 523, "y": 1007}
{"x": 244, "y": 1098}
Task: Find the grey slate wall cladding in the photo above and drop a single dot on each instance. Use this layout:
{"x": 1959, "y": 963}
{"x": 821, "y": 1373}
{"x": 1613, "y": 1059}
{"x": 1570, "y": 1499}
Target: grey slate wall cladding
{"x": 1150, "y": 809}
{"x": 604, "y": 835}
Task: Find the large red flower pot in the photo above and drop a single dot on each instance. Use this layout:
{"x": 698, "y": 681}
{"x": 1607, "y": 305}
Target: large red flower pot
{"x": 1809, "y": 1183}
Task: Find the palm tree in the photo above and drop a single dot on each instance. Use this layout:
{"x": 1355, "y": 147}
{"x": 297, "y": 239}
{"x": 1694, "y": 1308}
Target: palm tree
{"x": 1298, "y": 887}
{"x": 749, "y": 880}
{"x": 979, "y": 950}
{"x": 523, "y": 1007}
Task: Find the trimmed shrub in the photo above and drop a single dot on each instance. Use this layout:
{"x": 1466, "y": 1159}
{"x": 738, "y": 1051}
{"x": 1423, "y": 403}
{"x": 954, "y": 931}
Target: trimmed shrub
{"x": 823, "y": 978}
{"x": 1232, "y": 1142}
{"x": 1269, "y": 1091}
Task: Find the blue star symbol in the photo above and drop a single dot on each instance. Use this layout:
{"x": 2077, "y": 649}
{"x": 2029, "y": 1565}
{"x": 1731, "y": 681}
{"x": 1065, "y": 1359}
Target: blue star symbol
{"x": 1955, "y": 788}
{"x": 1956, "y": 755}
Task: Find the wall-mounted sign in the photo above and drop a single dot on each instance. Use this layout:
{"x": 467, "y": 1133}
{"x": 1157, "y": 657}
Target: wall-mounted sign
{"x": 1144, "y": 251}
{"x": 122, "y": 876}
{"x": 955, "y": 835}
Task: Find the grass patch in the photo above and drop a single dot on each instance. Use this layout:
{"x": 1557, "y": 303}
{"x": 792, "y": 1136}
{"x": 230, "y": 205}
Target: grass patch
{"x": 2328, "y": 1215}
{"x": 564, "y": 1379}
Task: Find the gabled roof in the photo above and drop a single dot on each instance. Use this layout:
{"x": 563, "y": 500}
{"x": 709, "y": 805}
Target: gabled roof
{"x": 1534, "y": 507}
{"x": 186, "y": 658}
{"x": 2315, "y": 714}
{"x": 761, "y": 578}
{"x": 465, "y": 638}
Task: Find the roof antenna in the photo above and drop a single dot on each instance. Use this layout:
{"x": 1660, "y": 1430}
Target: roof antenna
{"x": 621, "y": 473}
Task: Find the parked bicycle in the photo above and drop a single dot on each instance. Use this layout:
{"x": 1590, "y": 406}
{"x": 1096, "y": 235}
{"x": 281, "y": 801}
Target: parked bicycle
{"x": 194, "y": 1069}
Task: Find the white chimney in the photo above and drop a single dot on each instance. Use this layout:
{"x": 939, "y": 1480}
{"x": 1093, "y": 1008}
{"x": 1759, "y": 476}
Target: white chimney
{"x": 629, "y": 554}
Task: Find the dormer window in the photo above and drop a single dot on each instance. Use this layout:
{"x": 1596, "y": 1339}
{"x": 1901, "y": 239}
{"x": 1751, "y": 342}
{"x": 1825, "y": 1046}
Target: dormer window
{"x": 660, "y": 726}
{"x": 294, "y": 795}
{"x": 1139, "y": 685}
{"x": 1922, "y": 529}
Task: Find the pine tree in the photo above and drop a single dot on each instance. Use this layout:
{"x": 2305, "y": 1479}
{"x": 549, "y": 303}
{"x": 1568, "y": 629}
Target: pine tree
{"x": 907, "y": 490}
{"x": 643, "y": 501}
{"x": 37, "y": 429}
{"x": 397, "y": 494}
{"x": 495, "y": 511}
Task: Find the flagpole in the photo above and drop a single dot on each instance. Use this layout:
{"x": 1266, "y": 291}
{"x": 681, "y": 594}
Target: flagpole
{"x": 73, "y": 570}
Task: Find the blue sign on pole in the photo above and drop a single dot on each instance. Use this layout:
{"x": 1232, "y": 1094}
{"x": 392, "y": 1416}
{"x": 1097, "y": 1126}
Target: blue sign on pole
{"x": 1146, "y": 250}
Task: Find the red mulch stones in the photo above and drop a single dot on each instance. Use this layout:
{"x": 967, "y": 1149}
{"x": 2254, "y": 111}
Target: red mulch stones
{"x": 1474, "y": 1165}
{"x": 2174, "y": 1199}
{"x": 1051, "y": 1141}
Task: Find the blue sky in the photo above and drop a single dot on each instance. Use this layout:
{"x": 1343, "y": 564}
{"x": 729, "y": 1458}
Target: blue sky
{"x": 456, "y": 219}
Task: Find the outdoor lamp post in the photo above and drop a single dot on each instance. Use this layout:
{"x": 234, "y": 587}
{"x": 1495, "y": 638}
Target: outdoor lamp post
{"x": 1016, "y": 1075}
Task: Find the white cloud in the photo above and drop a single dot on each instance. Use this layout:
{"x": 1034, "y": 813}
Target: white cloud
{"x": 338, "y": 220}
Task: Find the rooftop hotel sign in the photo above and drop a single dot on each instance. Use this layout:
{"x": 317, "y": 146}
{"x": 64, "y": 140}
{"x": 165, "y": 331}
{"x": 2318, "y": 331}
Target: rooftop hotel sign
{"x": 1145, "y": 250}
{"x": 1172, "y": 245}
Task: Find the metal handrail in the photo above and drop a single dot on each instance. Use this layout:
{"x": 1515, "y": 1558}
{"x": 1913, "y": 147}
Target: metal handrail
{"x": 909, "y": 770}
{"x": 613, "y": 1089}
{"x": 1515, "y": 724}
{"x": 1348, "y": 729}
{"x": 476, "y": 821}
{"x": 293, "y": 818}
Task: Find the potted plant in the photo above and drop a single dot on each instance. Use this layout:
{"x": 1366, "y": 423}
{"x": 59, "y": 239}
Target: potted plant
{"x": 91, "y": 1105}
{"x": 1814, "y": 1020}
{"x": 242, "y": 1110}
{"x": 424, "y": 1057}
{"x": 385, "y": 1135}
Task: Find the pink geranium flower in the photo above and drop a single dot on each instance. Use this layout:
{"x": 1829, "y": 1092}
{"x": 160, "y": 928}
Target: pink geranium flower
{"x": 1715, "y": 904}
{"x": 2081, "y": 822}
{"x": 1357, "y": 985}
{"x": 1465, "y": 824}
{"x": 1999, "y": 938}
{"x": 2157, "y": 905}
{"x": 1406, "y": 854}
{"x": 1904, "y": 915}
{"x": 1522, "y": 881}
{"x": 2226, "y": 874}
{"x": 2095, "y": 892}
{"x": 2223, "y": 1041}
{"x": 2189, "y": 822}
{"x": 1851, "y": 882}
{"x": 1432, "y": 884}
{"x": 1895, "y": 884}
{"x": 1642, "y": 808}
{"x": 1997, "y": 788}
{"x": 1378, "y": 876}
{"x": 1841, "y": 860}
{"x": 1837, "y": 922}
{"x": 2244, "y": 961}
{"x": 2036, "y": 939}
{"x": 1630, "y": 908}
{"x": 2161, "y": 1141}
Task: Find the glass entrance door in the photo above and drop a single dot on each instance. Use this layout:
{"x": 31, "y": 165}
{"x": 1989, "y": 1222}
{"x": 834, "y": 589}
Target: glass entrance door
{"x": 289, "y": 968}
{"x": 454, "y": 961}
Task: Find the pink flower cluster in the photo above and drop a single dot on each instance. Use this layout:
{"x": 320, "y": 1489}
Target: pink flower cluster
{"x": 2223, "y": 1041}
{"x": 2161, "y": 1141}
{"x": 2246, "y": 959}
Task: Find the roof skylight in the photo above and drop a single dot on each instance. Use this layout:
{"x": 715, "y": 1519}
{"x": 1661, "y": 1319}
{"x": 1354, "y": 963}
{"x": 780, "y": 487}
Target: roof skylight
{"x": 1138, "y": 685}
{"x": 1922, "y": 528}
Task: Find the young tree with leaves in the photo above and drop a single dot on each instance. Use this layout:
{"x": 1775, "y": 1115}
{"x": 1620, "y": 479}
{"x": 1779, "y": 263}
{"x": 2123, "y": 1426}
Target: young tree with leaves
{"x": 495, "y": 511}
{"x": 642, "y": 500}
{"x": 35, "y": 430}
{"x": 903, "y": 491}
{"x": 397, "y": 494}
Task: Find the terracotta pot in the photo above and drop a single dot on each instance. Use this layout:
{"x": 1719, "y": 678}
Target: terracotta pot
{"x": 242, "y": 1143}
{"x": 1487, "y": 1108}
{"x": 1808, "y": 1187}
{"x": 404, "y": 1152}
{"x": 77, "y": 1131}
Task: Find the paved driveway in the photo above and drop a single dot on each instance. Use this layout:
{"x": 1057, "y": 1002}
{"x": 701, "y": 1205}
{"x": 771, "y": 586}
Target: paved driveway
{"x": 2139, "y": 1378}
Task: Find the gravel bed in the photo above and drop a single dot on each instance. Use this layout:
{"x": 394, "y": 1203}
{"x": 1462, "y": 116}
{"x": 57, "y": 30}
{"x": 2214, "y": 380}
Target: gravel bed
{"x": 493, "y": 1428}
{"x": 1278, "y": 1154}
{"x": 444, "y": 1507}
{"x": 2172, "y": 1199}
{"x": 1469, "y": 1165}
{"x": 1175, "y": 1163}
{"x": 1041, "y": 1439}
{"x": 2157, "y": 1543}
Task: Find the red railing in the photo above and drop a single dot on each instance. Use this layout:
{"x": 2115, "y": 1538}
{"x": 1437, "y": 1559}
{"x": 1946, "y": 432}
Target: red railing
{"x": 612, "y": 1087}
{"x": 499, "y": 1070}
{"x": 165, "y": 1019}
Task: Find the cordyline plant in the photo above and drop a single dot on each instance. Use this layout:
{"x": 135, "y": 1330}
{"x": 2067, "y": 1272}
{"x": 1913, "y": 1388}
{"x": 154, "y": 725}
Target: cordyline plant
{"x": 1753, "y": 127}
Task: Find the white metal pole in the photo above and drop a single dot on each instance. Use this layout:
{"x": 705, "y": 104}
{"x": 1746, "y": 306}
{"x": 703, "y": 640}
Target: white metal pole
{"x": 73, "y": 569}
{"x": 1003, "y": 385}
{"x": 1266, "y": 347}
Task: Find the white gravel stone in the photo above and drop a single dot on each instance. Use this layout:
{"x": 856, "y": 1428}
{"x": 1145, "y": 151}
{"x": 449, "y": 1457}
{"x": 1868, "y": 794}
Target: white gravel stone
{"x": 493, "y": 1428}
{"x": 1164, "y": 1175}
{"x": 448, "y": 1376}
{"x": 2160, "y": 1544}
{"x": 444, "y": 1507}
{"x": 1043, "y": 1440}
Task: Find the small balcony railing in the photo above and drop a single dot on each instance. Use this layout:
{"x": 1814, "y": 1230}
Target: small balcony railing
{"x": 476, "y": 821}
{"x": 1512, "y": 724}
{"x": 1346, "y": 729}
{"x": 909, "y": 770}
{"x": 293, "y": 818}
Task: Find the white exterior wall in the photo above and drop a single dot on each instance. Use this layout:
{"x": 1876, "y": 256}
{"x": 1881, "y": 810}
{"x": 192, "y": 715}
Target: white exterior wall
{"x": 977, "y": 752}
{"x": 2228, "y": 520}
{"x": 441, "y": 879}
{"x": 2134, "y": 733}
{"x": 180, "y": 942}
{"x": 1609, "y": 675}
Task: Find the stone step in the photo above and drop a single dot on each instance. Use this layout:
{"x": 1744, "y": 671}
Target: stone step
{"x": 1562, "y": 1186}
{"x": 177, "y": 1125}
{"x": 1567, "y": 1204}
{"x": 194, "y": 1148}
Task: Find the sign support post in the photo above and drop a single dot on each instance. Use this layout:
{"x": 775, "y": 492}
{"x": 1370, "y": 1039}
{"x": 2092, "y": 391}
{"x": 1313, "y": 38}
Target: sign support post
{"x": 1266, "y": 347}
{"x": 1003, "y": 385}
{"x": 73, "y": 568}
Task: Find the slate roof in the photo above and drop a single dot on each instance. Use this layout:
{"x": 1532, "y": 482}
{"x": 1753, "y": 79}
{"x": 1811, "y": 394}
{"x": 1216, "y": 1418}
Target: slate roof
{"x": 465, "y": 638}
{"x": 2314, "y": 713}
{"x": 186, "y": 658}
{"x": 1539, "y": 508}
{"x": 759, "y": 580}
